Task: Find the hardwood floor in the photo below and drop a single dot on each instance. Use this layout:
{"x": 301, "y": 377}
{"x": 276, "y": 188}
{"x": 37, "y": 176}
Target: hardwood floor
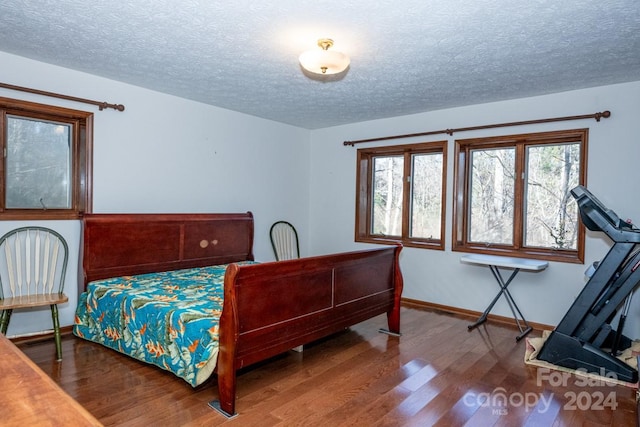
{"x": 437, "y": 373}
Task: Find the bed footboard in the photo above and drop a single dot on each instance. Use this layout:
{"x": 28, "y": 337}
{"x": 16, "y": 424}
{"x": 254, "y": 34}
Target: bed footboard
{"x": 270, "y": 308}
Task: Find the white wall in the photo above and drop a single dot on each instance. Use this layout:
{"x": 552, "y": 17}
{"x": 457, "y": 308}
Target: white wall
{"x": 167, "y": 154}
{"x": 438, "y": 276}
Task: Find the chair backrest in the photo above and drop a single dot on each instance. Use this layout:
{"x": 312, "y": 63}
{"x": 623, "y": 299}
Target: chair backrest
{"x": 33, "y": 260}
{"x": 284, "y": 240}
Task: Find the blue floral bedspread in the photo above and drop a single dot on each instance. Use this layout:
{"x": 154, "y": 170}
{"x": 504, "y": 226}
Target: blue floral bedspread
{"x": 169, "y": 319}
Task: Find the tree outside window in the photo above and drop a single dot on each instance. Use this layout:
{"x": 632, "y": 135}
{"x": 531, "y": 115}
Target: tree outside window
{"x": 512, "y": 195}
{"x": 400, "y": 195}
{"x": 46, "y": 172}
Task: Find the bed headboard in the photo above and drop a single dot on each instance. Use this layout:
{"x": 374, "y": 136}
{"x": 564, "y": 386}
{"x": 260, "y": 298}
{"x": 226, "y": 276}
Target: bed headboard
{"x": 124, "y": 244}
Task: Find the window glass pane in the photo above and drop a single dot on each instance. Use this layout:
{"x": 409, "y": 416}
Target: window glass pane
{"x": 426, "y": 195}
{"x": 38, "y": 164}
{"x": 551, "y": 212}
{"x": 387, "y": 196}
{"x": 492, "y": 196}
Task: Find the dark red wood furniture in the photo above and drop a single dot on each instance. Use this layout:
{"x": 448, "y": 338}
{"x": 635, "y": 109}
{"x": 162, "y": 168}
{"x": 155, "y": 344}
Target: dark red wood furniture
{"x": 270, "y": 307}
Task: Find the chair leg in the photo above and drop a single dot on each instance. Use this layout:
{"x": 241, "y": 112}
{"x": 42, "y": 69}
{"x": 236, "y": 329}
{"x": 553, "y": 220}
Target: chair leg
{"x": 56, "y": 332}
{"x": 5, "y": 317}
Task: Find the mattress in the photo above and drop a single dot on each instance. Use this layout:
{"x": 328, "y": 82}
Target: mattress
{"x": 168, "y": 319}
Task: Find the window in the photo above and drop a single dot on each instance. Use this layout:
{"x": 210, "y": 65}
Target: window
{"x": 512, "y": 195}
{"x": 400, "y": 195}
{"x": 46, "y": 172}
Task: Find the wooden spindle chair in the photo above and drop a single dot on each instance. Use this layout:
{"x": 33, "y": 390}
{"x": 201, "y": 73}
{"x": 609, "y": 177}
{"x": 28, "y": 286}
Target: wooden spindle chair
{"x": 33, "y": 264}
{"x": 284, "y": 240}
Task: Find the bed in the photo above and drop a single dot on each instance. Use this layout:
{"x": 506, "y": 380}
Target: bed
{"x": 262, "y": 310}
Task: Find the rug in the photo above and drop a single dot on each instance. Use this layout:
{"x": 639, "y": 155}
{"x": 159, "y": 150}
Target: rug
{"x": 628, "y": 356}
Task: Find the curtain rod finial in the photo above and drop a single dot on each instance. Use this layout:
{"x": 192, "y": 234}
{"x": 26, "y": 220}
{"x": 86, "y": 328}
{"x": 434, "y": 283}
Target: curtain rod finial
{"x": 606, "y": 114}
{"x": 103, "y": 105}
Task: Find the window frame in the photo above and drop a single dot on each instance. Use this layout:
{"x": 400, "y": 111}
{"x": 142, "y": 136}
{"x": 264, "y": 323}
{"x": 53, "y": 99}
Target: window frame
{"x": 364, "y": 194}
{"x": 461, "y": 189}
{"x": 81, "y": 157}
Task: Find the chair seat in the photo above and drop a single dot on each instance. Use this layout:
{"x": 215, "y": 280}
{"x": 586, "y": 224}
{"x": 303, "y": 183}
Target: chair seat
{"x": 34, "y": 300}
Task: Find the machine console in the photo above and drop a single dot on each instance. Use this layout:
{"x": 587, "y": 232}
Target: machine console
{"x": 590, "y": 207}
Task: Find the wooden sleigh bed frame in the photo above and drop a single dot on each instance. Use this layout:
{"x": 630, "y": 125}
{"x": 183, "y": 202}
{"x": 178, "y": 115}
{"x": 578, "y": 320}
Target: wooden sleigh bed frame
{"x": 308, "y": 298}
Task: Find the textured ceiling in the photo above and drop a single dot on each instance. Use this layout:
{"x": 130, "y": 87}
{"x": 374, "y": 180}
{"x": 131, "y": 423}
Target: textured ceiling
{"x": 407, "y": 56}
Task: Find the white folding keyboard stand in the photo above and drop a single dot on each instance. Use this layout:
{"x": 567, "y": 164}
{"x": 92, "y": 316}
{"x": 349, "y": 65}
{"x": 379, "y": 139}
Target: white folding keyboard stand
{"x": 517, "y": 264}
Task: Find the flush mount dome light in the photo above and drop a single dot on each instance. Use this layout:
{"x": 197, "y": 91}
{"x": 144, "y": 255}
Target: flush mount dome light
{"x": 324, "y": 61}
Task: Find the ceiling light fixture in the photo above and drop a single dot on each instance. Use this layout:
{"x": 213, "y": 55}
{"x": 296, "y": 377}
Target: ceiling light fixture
{"x": 324, "y": 61}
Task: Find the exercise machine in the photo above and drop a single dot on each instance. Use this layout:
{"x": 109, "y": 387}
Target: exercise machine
{"x": 584, "y": 338}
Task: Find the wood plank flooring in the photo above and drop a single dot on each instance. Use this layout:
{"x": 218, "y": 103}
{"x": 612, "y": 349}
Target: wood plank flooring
{"x": 437, "y": 373}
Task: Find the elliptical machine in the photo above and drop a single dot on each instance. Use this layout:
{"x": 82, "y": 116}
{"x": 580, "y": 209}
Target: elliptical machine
{"x": 584, "y": 338}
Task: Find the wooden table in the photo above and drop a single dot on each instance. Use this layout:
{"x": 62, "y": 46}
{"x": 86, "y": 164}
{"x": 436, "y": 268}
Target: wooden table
{"x": 30, "y": 397}
{"x": 517, "y": 264}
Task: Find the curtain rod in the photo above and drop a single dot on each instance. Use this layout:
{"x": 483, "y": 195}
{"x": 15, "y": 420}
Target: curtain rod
{"x": 605, "y": 114}
{"x": 101, "y": 105}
